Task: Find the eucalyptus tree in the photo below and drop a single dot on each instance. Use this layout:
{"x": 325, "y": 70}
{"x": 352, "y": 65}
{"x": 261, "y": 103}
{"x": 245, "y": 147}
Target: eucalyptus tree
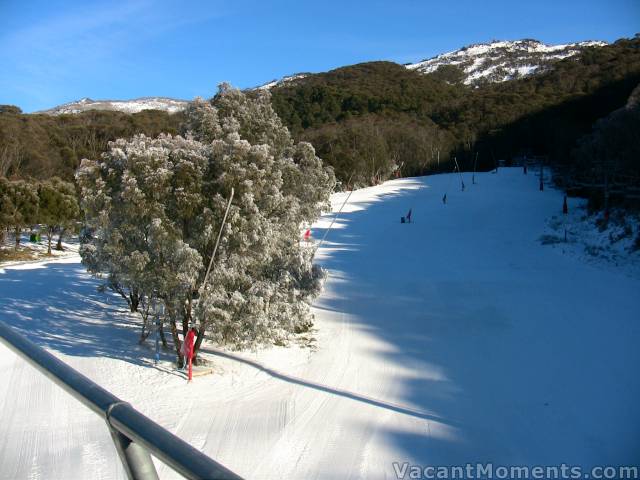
{"x": 155, "y": 207}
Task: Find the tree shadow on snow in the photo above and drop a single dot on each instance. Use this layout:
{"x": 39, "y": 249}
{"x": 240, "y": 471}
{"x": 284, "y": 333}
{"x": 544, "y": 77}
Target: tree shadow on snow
{"x": 58, "y": 306}
{"x": 448, "y": 309}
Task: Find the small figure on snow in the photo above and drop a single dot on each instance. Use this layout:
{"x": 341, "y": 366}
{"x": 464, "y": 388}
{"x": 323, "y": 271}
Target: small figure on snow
{"x": 406, "y": 218}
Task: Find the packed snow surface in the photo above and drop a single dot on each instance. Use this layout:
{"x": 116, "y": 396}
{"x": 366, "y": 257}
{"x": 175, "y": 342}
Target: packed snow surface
{"x": 460, "y": 337}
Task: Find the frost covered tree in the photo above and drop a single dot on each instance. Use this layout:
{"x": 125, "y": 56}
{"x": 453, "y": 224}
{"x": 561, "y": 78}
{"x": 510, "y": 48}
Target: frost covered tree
{"x": 19, "y": 206}
{"x": 155, "y": 207}
{"x": 138, "y": 200}
{"x": 57, "y": 207}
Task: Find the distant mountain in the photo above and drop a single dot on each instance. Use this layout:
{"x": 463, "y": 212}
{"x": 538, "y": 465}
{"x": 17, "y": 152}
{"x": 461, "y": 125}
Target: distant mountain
{"x": 477, "y": 64}
{"x": 283, "y": 81}
{"x": 170, "y": 105}
{"x": 481, "y": 63}
{"x": 362, "y": 118}
{"x": 499, "y": 61}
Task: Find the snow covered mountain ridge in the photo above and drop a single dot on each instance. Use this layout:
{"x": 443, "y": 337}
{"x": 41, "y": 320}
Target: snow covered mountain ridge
{"x": 283, "y": 81}
{"x": 476, "y": 64}
{"x": 499, "y": 61}
{"x": 136, "y": 105}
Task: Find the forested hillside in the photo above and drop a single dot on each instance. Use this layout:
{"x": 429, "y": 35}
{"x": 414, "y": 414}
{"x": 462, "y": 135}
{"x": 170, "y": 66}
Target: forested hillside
{"x": 369, "y": 119}
{"x": 42, "y": 146}
{"x": 377, "y": 120}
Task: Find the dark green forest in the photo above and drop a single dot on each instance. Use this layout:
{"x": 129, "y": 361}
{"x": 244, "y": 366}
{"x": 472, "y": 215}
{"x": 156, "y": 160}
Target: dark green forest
{"x": 377, "y": 120}
{"x": 370, "y": 119}
{"x": 42, "y": 146}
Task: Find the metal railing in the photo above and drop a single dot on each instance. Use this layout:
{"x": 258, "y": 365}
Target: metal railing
{"x": 134, "y": 435}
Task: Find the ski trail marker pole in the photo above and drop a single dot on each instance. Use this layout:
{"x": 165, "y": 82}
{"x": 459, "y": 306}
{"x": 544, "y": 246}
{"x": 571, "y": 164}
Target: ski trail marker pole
{"x": 455, "y": 159}
{"x": 444, "y": 197}
{"x": 189, "y": 344}
{"x": 473, "y": 177}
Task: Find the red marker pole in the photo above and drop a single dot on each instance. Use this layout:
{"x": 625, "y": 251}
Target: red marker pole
{"x": 189, "y": 340}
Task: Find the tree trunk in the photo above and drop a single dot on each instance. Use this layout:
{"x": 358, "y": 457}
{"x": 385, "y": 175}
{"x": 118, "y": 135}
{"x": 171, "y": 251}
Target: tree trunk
{"x": 17, "y": 231}
{"x": 144, "y": 333}
{"x": 176, "y": 341}
{"x": 59, "y": 244}
{"x": 49, "y": 235}
{"x": 163, "y": 339}
{"x": 119, "y": 289}
{"x": 146, "y": 328}
{"x": 198, "y": 342}
{"x": 134, "y": 301}
{"x": 186, "y": 317}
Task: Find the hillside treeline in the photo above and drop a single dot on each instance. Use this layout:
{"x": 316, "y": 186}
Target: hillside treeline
{"x": 51, "y": 203}
{"x": 371, "y": 121}
{"x": 383, "y": 107}
{"x": 41, "y": 146}
{"x": 378, "y": 120}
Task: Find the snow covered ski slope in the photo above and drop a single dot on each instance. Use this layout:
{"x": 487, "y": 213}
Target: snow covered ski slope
{"x": 456, "y": 338}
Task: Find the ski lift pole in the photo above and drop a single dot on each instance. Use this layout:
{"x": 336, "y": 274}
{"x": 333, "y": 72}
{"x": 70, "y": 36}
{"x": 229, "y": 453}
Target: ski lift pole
{"x": 332, "y": 222}
{"x": 215, "y": 248}
{"x": 206, "y": 277}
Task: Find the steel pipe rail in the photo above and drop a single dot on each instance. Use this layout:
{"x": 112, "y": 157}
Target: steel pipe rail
{"x": 135, "y": 435}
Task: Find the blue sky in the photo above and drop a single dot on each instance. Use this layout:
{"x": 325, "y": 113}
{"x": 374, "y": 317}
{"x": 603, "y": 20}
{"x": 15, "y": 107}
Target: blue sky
{"x": 53, "y": 51}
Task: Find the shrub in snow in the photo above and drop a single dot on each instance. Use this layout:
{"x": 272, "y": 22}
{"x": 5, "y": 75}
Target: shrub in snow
{"x": 155, "y": 207}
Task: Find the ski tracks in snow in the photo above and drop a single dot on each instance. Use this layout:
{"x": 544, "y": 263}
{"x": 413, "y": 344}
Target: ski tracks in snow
{"x": 452, "y": 339}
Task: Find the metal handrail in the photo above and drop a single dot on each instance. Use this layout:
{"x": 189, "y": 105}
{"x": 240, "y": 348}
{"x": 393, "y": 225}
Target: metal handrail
{"x": 134, "y": 434}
